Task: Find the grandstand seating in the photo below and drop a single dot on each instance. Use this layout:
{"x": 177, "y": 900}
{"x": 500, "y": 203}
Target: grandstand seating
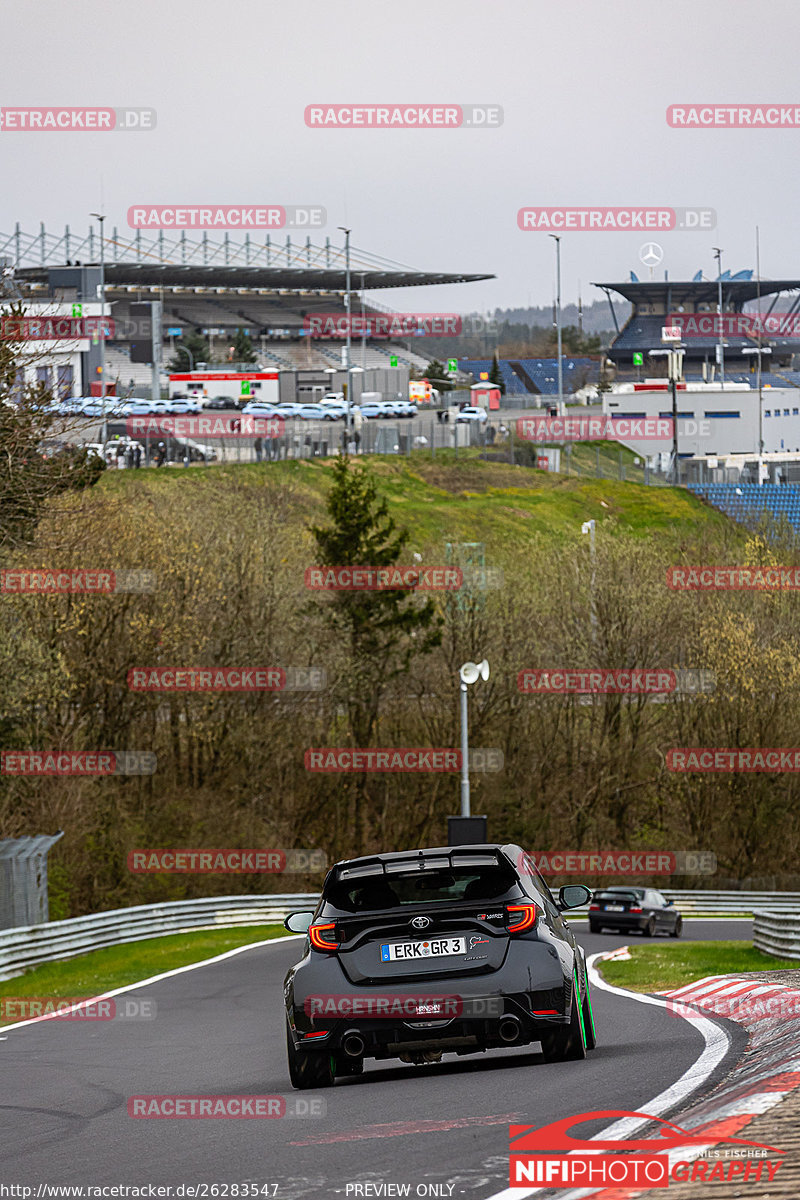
{"x": 747, "y": 502}
{"x": 542, "y": 372}
{"x": 120, "y": 369}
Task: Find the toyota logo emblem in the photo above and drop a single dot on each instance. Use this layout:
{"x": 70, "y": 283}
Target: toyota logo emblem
{"x": 421, "y": 922}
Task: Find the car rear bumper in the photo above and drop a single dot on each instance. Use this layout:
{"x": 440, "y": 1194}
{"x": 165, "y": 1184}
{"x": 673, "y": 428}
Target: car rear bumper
{"x": 618, "y": 920}
{"x": 513, "y": 1024}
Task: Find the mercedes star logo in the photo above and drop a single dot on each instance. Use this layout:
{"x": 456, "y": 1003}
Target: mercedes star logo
{"x": 651, "y": 254}
{"x": 421, "y": 922}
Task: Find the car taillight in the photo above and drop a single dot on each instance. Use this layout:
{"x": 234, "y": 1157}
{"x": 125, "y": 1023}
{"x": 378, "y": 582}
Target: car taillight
{"x": 520, "y": 917}
{"x": 318, "y": 939}
{"x": 318, "y": 1034}
{"x": 634, "y": 908}
{"x": 594, "y": 908}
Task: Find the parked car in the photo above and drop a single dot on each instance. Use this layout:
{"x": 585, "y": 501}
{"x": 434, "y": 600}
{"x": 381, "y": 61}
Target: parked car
{"x": 219, "y": 402}
{"x": 373, "y": 409}
{"x": 424, "y": 927}
{"x": 92, "y": 406}
{"x": 337, "y": 409}
{"x": 70, "y": 407}
{"x": 634, "y": 910}
{"x": 405, "y": 408}
{"x": 333, "y": 397}
{"x": 182, "y": 405}
{"x": 260, "y": 408}
{"x": 139, "y": 407}
{"x": 287, "y": 411}
{"x": 315, "y": 412}
{"x": 471, "y": 413}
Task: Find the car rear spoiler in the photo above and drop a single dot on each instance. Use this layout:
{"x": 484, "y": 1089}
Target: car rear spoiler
{"x": 449, "y": 857}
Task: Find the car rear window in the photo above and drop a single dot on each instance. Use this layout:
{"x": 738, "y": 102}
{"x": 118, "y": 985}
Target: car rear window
{"x": 615, "y": 896}
{"x": 453, "y": 885}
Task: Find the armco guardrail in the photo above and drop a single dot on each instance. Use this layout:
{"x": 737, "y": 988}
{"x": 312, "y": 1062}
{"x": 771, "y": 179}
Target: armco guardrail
{"x": 30, "y": 945}
{"x": 719, "y": 904}
{"x": 777, "y": 933}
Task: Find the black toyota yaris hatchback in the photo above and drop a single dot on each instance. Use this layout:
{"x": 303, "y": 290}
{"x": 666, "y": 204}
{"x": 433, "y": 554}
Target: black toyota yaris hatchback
{"x": 447, "y": 950}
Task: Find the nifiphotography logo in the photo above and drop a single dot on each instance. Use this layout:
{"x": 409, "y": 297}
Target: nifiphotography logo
{"x": 552, "y": 1157}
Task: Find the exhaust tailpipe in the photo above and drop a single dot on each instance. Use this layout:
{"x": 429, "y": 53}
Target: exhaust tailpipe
{"x": 353, "y": 1044}
{"x": 509, "y": 1029}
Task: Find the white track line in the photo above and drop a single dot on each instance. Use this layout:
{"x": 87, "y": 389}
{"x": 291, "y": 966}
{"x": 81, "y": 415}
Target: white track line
{"x": 715, "y": 1049}
{"x": 129, "y": 987}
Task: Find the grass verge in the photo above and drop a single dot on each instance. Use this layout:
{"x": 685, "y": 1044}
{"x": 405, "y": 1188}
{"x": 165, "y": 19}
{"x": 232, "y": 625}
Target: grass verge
{"x": 115, "y": 966}
{"x": 656, "y": 968}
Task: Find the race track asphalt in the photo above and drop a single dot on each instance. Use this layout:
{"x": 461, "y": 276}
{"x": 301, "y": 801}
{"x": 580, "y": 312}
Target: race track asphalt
{"x": 219, "y": 1029}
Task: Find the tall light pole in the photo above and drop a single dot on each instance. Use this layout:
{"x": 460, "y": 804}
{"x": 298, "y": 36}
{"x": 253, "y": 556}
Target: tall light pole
{"x": 557, "y": 239}
{"x": 101, "y": 218}
{"x": 469, "y": 672}
{"x": 721, "y": 351}
{"x": 346, "y": 233}
{"x": 760, "y": 414}
{"x": 363, "y": 329}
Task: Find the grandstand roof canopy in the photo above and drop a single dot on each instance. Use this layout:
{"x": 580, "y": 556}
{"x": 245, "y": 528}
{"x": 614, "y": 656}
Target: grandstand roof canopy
{"x": 165, "y": 260}
{"x": 333, "y": 279}
{"x": 740, "y": 291}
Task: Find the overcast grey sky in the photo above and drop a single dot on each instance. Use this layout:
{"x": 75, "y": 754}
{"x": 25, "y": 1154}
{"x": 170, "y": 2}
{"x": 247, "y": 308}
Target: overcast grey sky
{"x": 584, "y": 85}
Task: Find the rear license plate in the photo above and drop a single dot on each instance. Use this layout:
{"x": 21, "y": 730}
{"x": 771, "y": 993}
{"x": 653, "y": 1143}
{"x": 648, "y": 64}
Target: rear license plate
{"x": 615, "y": 908}
{"x": 435, "y": 948}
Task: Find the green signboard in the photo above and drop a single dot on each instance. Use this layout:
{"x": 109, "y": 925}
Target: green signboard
{"x": 638, "y": 358}
{"x": 77, "y": 310}
{"x": 452, "y": 364}
{"x": 393, "y": 361}
{"x": 247, "y": 387}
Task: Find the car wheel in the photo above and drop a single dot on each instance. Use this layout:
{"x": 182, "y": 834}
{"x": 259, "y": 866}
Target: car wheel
{"x": 678, "y": 930}
{"x": 594, "y": 927}
{"x": 567, "y": 1043}
{"x": 312, "y": 1069}
{"x": 650, "y": 928}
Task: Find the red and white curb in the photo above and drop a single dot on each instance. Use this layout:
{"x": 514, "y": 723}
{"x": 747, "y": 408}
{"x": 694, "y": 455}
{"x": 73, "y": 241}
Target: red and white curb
{"x": 768, "y": 1072}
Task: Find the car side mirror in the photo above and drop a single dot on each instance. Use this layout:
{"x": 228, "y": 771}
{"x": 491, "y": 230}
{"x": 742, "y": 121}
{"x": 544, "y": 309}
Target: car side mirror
{"x": 298, "y": 922}
{"x": 573, "y": 895}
